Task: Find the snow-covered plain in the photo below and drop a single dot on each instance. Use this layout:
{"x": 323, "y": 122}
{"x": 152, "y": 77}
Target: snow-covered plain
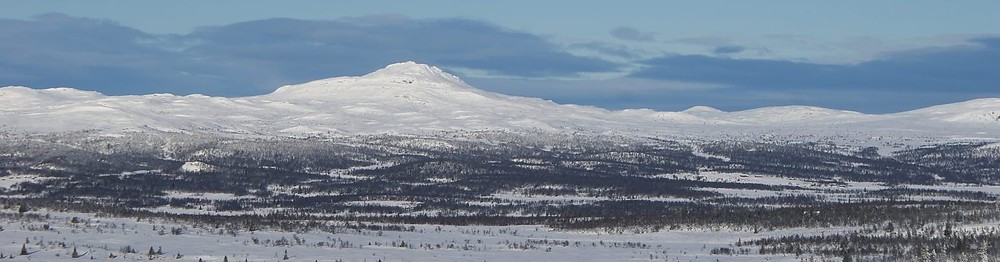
{"x": 102, "y": 237}
{"x": 50, "y": 235}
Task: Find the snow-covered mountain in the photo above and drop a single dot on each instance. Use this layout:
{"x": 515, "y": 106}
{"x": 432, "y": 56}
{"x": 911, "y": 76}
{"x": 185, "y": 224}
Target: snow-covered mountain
{"x": 416, "y": 98}
{"x": 984, "y": 110}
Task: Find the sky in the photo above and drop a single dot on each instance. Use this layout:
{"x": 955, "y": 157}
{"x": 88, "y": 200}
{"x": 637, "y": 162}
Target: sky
{"x": 867, "y": 56}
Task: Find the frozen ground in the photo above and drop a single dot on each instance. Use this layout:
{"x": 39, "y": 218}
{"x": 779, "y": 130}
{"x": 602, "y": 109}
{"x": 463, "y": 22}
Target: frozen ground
{"x": 101, "y": 237}
{"x": 52, "y": 236}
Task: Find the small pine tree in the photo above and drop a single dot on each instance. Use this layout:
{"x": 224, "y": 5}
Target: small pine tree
{"x": 983, "y": 255}
{"x": 24, "y": 250}
{"x": 75, "y": 254}
{"x": 225, "y": 259}
{"x": 286, "y": 255}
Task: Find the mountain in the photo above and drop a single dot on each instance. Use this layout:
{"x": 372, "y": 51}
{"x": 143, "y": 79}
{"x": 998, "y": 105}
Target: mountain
{"x": 404, "y": 98}
{"x": 981, "y": 111}
{"x": 409, "y": 96}
{"x": 416, "y": 153}
{"x": 412, "y": 98}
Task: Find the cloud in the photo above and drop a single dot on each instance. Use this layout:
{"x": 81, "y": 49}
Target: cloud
{"x": 892, "y": 83}
{"x": 309, "y": 49}
{"x": 303, "y": 50}
{"x": 662, "y": 95}
{"x": 728, "y": 49}
{"x": 632, "y": 34}
{"x": 608, "y": 49}
{"x": 957, "y": 69}
{"x": 257, "y": 56}
{"x": 703, "y": 41}
{"x": 615, "y": 93}
{"x": 59, "y": 50}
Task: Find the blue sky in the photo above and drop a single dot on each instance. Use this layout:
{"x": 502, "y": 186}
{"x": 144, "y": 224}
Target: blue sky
{"x": 869, "y": 56}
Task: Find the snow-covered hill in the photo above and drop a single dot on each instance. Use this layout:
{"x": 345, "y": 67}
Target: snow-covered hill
{"x": 416, "y": 98}
{"x": 982, "y": 111}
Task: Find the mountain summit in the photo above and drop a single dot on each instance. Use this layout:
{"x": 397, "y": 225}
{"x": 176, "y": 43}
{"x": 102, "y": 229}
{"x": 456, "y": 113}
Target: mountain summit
{"x": 411, "y": 96}
{"x": 397, "y": 79}
{"x": 415, "y": 72}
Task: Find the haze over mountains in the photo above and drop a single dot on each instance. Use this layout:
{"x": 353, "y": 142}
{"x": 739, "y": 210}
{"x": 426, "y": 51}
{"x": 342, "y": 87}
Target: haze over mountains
{"x": 412, "y": 98}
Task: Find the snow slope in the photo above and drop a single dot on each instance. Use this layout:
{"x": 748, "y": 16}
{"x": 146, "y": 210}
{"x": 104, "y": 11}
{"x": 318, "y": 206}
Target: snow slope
{"x": 414, "y": 98}
{"x": 981, "y": 111}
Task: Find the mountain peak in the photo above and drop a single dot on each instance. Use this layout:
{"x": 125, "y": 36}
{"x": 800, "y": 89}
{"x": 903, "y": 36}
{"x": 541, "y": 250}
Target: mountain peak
{"x": 410, "y": 71}
{"x": 702, "y": 110}
{"x": 399, "y": 79}
{"x": 409, "y": 68}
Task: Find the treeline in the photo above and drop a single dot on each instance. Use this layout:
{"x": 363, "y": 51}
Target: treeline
{"x": 939, "y": 242}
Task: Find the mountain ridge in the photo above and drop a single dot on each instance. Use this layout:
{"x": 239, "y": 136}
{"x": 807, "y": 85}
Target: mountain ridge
{"x": 409, "y": 97}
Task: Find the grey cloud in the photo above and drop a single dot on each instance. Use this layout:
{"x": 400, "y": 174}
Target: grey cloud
{"x": 629, "y": 92}
{"x": 257, "y": 56}
{"x": 728, "y": 50}
{"x": 704, "y": 41}
{"x": 952, "y": 69}
{"x": 59, "y": 50}
{"x": 379, "y": 19}
{"x": 616, "y": 93}
{"x": 910, "y": 80}
{"x": 312, "y": 48}
{"x": 632, "y": 34}
{"x": 608, "y": 49}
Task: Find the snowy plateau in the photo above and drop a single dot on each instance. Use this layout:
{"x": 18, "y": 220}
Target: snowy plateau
{"x": 410, "y": 163}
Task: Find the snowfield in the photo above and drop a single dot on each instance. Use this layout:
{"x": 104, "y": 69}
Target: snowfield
{"x": 412, "y": 98}
{"x": 56, "y": 236}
